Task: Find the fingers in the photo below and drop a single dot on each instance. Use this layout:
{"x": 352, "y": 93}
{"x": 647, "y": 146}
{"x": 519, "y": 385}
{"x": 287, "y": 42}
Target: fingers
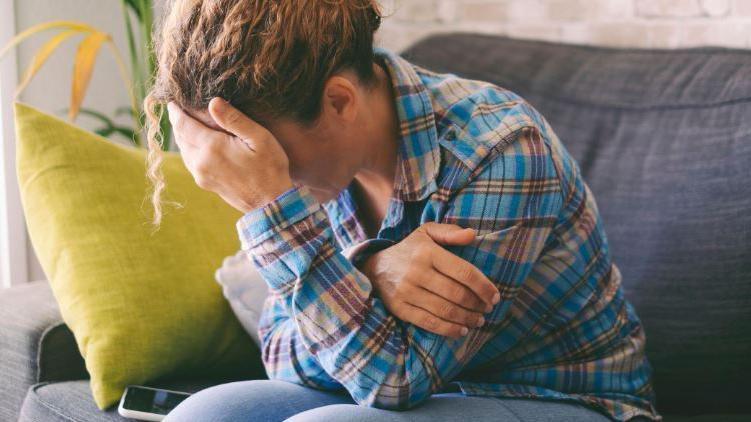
{"x": 188, "y": 131}
{"x": 429, "y": 322}
{"x": 445, "y": 310}
{"x": 449, "y": 234}
{"x": 454, "y": 292}
{"x": 233, "y": 120}
{"x": 467, "y": 274}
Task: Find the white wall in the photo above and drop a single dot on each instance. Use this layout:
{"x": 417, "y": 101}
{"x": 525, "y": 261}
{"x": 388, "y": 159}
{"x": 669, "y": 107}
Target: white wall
{"x": 619, "y": 23}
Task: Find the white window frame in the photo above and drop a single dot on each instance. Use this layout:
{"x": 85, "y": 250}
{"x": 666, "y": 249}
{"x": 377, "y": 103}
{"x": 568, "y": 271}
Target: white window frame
{"x": 13, "y": 238}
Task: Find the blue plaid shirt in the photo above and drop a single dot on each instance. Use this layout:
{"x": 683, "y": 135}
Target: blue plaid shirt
{"x": 479, "y": 156}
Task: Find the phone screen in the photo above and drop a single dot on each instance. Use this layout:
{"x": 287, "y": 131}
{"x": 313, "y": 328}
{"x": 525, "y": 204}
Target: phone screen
{"x": 156, "y": 401}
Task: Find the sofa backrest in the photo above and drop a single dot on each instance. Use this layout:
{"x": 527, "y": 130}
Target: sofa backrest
{"x": 663, "y": 139}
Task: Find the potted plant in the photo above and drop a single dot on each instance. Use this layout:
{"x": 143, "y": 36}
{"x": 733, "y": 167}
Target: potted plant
{"x": 139, "y": 20}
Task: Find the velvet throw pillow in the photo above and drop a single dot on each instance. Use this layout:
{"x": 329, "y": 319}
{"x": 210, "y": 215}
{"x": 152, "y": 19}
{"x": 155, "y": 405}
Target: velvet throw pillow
{"x": 245, "y": 290}
{"x": 142, "y": 306}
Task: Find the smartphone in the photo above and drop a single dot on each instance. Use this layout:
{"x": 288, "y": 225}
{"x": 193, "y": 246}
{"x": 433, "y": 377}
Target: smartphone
{"x": 147, "y": 403}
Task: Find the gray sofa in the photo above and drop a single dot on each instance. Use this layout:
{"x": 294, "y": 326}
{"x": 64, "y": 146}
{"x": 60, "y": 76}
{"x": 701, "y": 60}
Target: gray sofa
{"x": 664, "y": 141}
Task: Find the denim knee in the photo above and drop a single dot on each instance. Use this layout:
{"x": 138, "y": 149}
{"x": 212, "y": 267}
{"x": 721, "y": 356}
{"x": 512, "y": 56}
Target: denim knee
{"x": 346, "y": 413}
{"x": 225, "y": 401}
{"x": 254, "y": 400}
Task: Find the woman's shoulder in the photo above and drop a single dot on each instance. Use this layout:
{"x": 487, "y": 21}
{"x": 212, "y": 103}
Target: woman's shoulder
{"x": 474, "y": 117}
{"x": 477, "y": 121}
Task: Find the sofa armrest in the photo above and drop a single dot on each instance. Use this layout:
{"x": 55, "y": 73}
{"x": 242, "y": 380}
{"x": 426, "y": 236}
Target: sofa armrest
{"x": 35, "y": 345}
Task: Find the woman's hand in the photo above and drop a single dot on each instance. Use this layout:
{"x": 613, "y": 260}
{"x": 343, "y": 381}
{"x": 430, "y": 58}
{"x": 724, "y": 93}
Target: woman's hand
{"x": 245, "y": 164}
{"x": 422, "y": 283}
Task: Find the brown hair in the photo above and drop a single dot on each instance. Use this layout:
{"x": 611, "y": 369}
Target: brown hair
{"x": 268, "y": 58}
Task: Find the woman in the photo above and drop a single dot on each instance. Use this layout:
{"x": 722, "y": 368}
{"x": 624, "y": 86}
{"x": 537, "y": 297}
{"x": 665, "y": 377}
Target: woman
{"x": 285, "y": 110}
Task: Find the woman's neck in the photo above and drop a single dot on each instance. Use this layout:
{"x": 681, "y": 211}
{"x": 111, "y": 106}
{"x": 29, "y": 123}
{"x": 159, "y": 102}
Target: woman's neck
{"x": 376, "y": 177}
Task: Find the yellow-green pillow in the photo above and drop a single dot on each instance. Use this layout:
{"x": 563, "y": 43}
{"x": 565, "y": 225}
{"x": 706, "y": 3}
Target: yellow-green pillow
{"x": 141, "y": 306}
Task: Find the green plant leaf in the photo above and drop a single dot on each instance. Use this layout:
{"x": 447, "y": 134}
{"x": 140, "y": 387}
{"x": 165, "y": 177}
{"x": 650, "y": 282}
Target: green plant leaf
{"x": 97, "y": 115}
{"x": 134, "y": 6}
{"x": 104, "y": 132}
{"x": 109, "y": 127}
{"x": 126, "y": 132}
{"x": 122, "y": 111}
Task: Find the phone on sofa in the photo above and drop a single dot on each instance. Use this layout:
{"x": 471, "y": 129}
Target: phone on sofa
{"x": 147, "y": 403}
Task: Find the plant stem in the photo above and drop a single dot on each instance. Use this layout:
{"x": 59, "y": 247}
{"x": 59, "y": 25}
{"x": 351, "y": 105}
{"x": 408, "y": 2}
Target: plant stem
{"x": 128, "y": 87}
{"x": 134, "y": 53}
{"x": 136, "y": 74}
{"x": 147, "y": 23}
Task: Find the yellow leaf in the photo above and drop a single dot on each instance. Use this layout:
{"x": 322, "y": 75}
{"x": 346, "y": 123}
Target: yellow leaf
{"x": 82, "y": 69}
{"x": 70, "y": 25}
{"x": 41, "y": 57}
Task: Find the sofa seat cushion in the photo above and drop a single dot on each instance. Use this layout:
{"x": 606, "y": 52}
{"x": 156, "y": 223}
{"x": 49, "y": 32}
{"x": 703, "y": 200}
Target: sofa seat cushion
{"x": 72, "y": 401}
{"x": 35, "y": 345}
{"x": 714, "y": 417}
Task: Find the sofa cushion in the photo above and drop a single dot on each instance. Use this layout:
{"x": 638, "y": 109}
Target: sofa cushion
{"x": 244, "y": 289}
{"x": 663, "y": 139}
{"x": 72, "y": 401}
{"x": 141, "y": 304}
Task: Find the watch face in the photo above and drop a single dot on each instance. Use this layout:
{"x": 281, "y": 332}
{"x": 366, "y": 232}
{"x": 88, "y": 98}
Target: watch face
{"x": 152, "y": 401}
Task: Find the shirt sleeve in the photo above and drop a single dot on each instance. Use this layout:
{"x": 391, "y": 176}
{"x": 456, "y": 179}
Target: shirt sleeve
{"x": 280, "y": 337}
{"x": 284, "y": 354}
{"x": 329, "y": 314}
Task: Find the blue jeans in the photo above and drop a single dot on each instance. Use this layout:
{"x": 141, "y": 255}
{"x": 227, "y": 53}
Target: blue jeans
{"x": 269, "y": 400}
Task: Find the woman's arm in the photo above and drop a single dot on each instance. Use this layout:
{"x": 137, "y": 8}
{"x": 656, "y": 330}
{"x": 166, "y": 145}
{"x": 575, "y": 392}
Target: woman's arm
{"x": 379, "y": 359}
{"x": 281, "y": 343}
{"x": 408, "y": 288}
{"x": 437, "y": 290}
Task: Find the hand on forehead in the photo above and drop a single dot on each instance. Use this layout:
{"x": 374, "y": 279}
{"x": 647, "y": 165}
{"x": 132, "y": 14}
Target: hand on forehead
{"x": 204, "y": 117}
{"x": 194, "y": 121}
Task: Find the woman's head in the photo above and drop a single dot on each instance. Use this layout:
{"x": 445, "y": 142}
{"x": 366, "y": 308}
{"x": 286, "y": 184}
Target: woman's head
{"x": 269, "y": 58}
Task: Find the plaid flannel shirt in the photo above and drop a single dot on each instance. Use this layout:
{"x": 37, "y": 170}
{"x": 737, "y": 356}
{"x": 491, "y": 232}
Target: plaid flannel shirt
{"x": 477, "y": 155}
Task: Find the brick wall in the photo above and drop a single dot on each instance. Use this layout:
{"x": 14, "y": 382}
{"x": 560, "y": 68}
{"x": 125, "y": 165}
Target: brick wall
{"x": 622, "y": 23}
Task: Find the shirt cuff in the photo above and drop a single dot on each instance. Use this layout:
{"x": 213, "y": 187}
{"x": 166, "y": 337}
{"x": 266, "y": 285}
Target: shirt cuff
{"x": 288, "y": 208}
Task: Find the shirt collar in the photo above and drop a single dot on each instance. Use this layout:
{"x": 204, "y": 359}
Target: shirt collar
{"x": 419, "y": 157}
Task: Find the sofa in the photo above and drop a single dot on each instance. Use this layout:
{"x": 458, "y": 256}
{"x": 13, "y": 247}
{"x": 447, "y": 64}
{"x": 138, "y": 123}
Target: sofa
{"x": 663, "y": 138}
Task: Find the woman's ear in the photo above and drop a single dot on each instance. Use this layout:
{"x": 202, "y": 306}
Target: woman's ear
{"x": 340, "y": 98}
